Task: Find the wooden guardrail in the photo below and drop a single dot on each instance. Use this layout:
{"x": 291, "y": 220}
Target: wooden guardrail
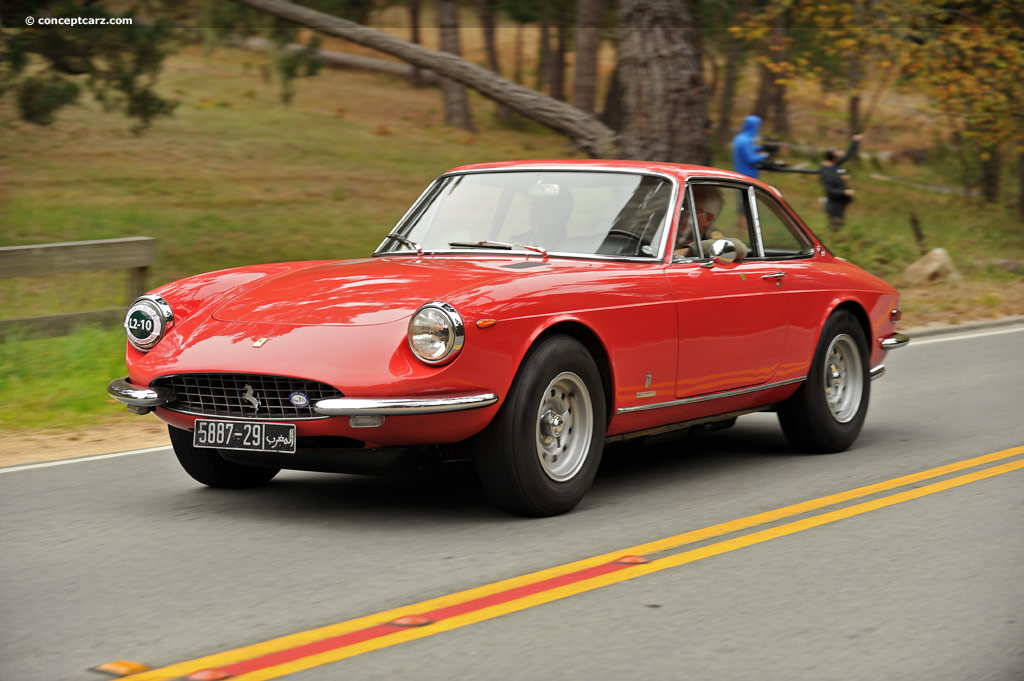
{"x": 135, "y": 254}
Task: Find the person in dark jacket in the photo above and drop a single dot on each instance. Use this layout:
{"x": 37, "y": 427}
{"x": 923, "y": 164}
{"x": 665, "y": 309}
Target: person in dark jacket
{"x": 746, "y": 153}
{"x": 837, "y": 195}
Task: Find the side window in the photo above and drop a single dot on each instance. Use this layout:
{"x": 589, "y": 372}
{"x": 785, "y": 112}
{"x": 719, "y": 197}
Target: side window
{"x": 721, "y": 213}
{"x": 780, "y": 236}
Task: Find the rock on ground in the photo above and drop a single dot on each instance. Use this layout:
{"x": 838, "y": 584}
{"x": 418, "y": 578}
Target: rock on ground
{"x": 936, "y": 265}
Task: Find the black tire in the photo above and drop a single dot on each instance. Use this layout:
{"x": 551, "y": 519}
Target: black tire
{"x": 827, "y": 413}
{"x": 540, "y": 454}
{"x": 210, "y": 468}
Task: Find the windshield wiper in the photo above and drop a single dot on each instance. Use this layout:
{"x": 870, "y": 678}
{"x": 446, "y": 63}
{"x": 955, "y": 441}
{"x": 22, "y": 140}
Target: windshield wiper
{"x": 496, "y": 244}
{"x": 406, "y": 242}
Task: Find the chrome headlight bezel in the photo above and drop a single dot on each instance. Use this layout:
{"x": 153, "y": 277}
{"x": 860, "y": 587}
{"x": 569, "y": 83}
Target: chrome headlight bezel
{"x": 150, "y": 315}
{"x": 443, "y": 314}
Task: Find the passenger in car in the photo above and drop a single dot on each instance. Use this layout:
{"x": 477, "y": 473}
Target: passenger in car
{"x": 709, "y": 201}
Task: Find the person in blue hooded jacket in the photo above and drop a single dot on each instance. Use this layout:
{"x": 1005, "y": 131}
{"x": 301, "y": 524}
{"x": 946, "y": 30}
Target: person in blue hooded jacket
{"x": 746, "y": 153}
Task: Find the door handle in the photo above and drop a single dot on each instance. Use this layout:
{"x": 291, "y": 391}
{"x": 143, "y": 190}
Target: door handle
{"x": 777, "y": 276}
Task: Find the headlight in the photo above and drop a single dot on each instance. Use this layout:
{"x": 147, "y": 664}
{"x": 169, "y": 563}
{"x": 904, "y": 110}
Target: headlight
{"x": 436, "y": 333}
{"x": 147, "y": 320}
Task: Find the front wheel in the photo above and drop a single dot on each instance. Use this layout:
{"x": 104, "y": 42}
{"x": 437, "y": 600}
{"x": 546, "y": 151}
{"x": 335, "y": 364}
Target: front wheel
{"x": 210, "y": 468}
{"x": 827, "y": 412}
{"x": 540, "y": 454}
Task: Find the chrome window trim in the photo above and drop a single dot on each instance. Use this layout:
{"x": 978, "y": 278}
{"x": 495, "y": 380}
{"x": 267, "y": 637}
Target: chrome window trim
{"x": 666, "y": 224}
{"x": 796, "y": 224}
{"x": 527, "y": 254}
{"x": 730, "y": 183}
{"x": 756, "y": 218}
{"x": 415, "y": 205}
{"x": 707, "y": 398}
{"x": 695, "y": 229}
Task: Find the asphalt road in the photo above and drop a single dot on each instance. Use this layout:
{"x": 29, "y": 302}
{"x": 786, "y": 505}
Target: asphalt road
{"x": 127, "y": 559}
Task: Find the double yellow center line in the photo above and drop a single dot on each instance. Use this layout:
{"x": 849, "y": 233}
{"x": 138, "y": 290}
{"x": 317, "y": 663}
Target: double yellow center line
{"x": 296, "y": 652}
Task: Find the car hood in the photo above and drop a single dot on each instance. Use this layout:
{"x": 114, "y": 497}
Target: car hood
{"x": 363, "y": 292}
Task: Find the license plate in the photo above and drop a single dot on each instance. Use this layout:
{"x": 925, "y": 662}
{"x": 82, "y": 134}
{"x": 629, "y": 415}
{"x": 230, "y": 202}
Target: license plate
{"x": 251, "y": 436}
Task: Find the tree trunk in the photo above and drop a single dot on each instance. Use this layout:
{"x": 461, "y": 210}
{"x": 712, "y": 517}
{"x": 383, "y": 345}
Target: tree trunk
{"x": 724, "y": 132}
{"x": 486, "y": 10}
{"x": 557, "y": 64}
{"x": 590, "y": 24}
{"x": 716, "y": 76}
{"x": 1020, "y": 183}
{"x": 586, "y": 131}
{"x": 543, "y": 49}
{"x": 856, "y": 72}
{"x": 664, "y": 99}
{"x": 517, "y": 65}
{"x": 416, "y": 75}
{"x": 764, "y": 92}
{"x": 780, "y": 108}
{"x": 611, "y": 115}
{"x": 733, "y": 61}
{"x": 456, "y": 98}
{"x": 991, "y": 170}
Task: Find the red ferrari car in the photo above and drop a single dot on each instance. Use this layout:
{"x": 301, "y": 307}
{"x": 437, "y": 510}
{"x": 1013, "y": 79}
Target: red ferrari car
{"x": 529, "y": 312}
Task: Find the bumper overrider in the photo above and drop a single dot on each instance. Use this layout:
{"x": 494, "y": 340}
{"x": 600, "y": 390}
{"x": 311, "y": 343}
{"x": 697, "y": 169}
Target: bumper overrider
{"x": 143, "y": 400}
{"x": 891, "y": 342}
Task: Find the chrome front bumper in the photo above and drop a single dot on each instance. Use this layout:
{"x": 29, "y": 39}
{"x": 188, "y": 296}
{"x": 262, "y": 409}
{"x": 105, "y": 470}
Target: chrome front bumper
{"x": 398, "y": 406}
{"x": 122, "y": 390}
{"x": 143, "y": 400}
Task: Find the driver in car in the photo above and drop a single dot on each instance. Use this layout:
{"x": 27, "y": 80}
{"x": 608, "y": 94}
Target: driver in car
{"x": 708, "y": 200}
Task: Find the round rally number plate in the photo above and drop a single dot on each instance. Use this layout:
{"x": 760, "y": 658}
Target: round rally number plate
{"x": 144, "y": 324}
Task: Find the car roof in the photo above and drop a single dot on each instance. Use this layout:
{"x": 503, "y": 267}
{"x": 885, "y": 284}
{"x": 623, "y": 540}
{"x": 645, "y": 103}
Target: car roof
{"x": 678, "y": 170}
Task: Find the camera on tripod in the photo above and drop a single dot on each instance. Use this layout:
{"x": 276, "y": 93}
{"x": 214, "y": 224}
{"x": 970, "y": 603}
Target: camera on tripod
{"x": 771, "y": 147}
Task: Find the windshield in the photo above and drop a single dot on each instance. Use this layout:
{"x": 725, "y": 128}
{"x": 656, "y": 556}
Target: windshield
{"x": 550, "y": 211}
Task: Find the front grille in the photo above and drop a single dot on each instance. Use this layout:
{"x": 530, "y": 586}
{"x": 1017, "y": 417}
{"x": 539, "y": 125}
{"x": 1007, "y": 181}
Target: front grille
{"x": 245, "y": 396}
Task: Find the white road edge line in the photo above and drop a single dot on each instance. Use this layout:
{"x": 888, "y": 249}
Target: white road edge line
{"x": 962, "y": 336}
{"x": 80, "y": 459}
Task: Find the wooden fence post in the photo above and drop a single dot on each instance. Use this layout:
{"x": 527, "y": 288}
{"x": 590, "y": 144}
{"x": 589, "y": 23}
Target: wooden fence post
{"x": 135, "y": 254}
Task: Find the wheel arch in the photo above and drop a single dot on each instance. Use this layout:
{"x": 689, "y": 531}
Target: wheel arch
{"x": 860, "y": 314}
{"x": 592, "y": 342}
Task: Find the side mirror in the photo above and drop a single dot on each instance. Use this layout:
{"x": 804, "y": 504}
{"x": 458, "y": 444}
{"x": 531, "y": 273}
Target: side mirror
{"x": 722, "y": 252}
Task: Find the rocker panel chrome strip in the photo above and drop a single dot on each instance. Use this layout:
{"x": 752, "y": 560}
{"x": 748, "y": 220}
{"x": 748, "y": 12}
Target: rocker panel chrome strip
{"x": 706, "y": 398}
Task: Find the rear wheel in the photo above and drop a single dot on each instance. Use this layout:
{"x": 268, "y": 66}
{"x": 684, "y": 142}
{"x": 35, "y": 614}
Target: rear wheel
{"x": 827, "y": 412}
{"x": 210, "y": 468}
{"x": 541, "y": 453}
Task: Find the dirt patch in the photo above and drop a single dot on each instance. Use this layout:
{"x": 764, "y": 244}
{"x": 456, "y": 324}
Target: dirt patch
{"x": 32, "y": 446}
{"x": 951, "y": 304}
